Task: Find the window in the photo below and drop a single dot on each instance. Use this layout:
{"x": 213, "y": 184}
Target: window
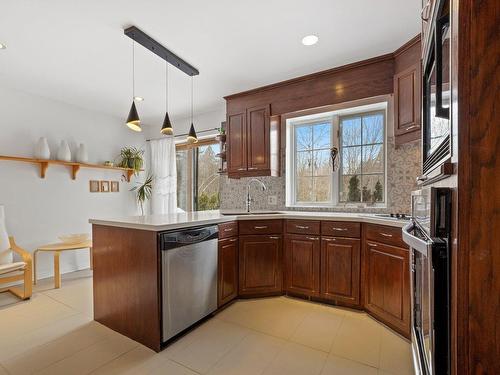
{"x": 198, "y": 177}
{"x": 359, "y": 173}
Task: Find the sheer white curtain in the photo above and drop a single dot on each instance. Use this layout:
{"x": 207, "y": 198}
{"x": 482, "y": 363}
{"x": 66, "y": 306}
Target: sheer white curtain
{"x": 163, "y": 168}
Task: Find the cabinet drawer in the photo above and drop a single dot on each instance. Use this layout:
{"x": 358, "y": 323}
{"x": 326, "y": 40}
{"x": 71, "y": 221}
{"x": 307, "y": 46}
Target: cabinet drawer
{"x": 228, "y": 229}
{"x": 303, "y": 226}
{"x": 340, "y": 229}
{"x": 385, "y": 234}
{"x": 261, "y": 227}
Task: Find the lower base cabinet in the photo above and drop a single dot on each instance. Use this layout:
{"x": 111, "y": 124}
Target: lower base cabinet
{"x": 260, "y": 265}
{"x": 387, "y": 289}
{"x": 340, "y": 270}
{"x": 302, "y": 264}
{"x": 227, "y": 289}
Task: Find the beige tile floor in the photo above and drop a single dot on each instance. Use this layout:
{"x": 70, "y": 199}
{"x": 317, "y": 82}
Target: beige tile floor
{"x": 54, "y": 333}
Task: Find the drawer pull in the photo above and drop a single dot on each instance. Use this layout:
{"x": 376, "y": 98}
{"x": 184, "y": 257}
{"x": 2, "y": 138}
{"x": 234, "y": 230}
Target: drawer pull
{"x": 242, "y": 169}
{"x": 372, "y": 244}
{"x": 301, "y": 227}
{"x": 385, "y": 234}
{"x": 411, "y": 127}
{"x": 260, "y": 227}
{"x": 274, "y": 238}
{"x": 313, "y": 238}
{"x": 233, "y": 240}
{"x": 228, "y": 230}
{"x": 252, "y": 168}
{"x": 339, "y": 229}
{"x": 329, "y": 239}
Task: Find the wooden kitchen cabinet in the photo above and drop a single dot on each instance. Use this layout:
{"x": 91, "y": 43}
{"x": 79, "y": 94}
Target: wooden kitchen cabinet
{"x": 302, "y": 264}
{"x": 387, "y": 285}
{"x": 260, "y": 265}
{"x": 227, "y": 283}
{"x": 236, "y": 143}
{"x": 340, "y": 270}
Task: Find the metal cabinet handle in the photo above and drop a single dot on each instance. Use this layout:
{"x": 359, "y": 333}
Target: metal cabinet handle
{"x": 228, "y": 229}
{"x": 372, "y": 244}
{"x": 260, "y": 227}
{"x": 233, "y": 240}
{"x": 301, "y": 227}
{"x": 425, "y": 10}
{"x": 385, "y": 234}
{"x": 411, "y": 127}
{"x": 242, "y": 169}
{"x": 274, "y": 238}
{"x": 329, "y": 239}
{"x": 313, "y": 238}
{"x": 339, "y": 229}
{"x": 252, "y": 168}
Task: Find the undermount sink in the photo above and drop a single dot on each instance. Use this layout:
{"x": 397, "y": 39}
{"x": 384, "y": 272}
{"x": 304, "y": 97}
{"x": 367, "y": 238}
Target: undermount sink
{"x": 237, "y": 213}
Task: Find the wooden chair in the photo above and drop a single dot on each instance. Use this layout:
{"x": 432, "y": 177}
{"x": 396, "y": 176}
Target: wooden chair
{"x": 16, "y": 271}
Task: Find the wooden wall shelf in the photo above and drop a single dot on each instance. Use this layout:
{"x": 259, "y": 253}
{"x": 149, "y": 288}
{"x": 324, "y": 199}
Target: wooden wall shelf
{"x": 75, "y": 167}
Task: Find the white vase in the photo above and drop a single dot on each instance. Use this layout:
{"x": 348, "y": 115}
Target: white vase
{"x": 81, "y": 154}
{"x": 64, "y": 153}
{"x": 42, "y": 150}
{"x": 6, "y": 256}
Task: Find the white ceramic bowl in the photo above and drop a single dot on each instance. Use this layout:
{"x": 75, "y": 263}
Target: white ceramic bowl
{"x": 74, "y": 238}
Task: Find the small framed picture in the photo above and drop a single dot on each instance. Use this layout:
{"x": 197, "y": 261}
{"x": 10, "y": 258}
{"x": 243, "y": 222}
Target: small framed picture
{"x": 115, "y": 186}
{"x": 94, "y": 186}
{"x": 105, "y": 186}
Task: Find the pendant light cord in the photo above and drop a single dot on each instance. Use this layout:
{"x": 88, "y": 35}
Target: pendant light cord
{"x": 191, "y": 99}
{"x": 166, "y": 86}
{"x": 133, "y": 69}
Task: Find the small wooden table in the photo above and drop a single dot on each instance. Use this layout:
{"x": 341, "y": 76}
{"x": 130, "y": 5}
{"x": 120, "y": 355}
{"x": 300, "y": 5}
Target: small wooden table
{"x": 56, "y": 248}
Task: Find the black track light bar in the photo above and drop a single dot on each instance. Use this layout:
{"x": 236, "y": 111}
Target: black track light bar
{"x": 149, "y": 43}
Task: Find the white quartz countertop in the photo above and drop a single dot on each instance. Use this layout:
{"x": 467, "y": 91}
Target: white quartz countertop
{"x": 200, "y": 218}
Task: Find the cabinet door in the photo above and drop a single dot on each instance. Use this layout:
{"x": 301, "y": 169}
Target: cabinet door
{"x": 260, "y": 258}
{"x": 387, "y": 283}
{"x": 340, "y": 269}
{"x": 236, "y": 143}
{"x": 407, "y": 100}
{"x": 302, "y": 256}
{"x": 258, "y": 142}
{"x": 227, "y": 270}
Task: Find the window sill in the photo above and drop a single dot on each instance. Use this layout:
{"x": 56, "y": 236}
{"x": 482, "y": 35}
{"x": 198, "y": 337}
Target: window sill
{"x": 360, "y": 206}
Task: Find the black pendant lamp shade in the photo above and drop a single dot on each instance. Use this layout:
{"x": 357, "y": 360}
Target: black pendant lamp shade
{"x": 192, "y": 138}
{"x": 133, "y": 121}
{"x": 167, "y": 126}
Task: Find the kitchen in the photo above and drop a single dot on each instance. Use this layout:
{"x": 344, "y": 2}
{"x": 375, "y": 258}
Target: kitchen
{"x": 316, "y": 214}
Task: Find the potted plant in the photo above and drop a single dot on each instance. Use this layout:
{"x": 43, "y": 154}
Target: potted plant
{"x": 221, "y": 137}
{"x": 143, "y": 191}
{"x": 131, "y": 157}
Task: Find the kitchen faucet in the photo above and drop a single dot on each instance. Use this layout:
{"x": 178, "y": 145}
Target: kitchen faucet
{"x": 249, "y": 200}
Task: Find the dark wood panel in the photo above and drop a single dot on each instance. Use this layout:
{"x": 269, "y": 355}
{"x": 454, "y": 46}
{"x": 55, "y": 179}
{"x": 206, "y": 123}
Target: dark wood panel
{"x": 408, "y": 54}
{"x": 126, "y": 282}
{"x": 227, "y": 271}
{"x": 260, "y": 265}
{"x": 341, "y": 229}
{"x": 302, "y": 264}
{"x": 407, "y": 101}
{"x": 340, "y": 270}
{"x": 261, "y": 226}
{"x": 311, "y": 227}
{"x": 236, "y": 143}
{"x": 385, "y": 234}
{"x": 387, "y": 283}
{"x": 227, "y": 230}
{"x": 258, "y": 134}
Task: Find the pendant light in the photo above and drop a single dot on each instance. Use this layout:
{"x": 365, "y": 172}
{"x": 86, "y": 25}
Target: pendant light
{"x": 192, "y": 138}
{"x": 133, "y": 120}
{"x": 167, "y": 125}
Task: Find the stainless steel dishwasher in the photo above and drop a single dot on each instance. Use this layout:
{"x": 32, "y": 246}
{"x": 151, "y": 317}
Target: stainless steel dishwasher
{"x": 189, "y": 277}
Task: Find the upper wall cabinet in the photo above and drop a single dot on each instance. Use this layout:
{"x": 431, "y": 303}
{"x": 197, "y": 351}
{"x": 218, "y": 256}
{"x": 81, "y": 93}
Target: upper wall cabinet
{"x": 407, "y": 103}
{"x": 252, "y": 143}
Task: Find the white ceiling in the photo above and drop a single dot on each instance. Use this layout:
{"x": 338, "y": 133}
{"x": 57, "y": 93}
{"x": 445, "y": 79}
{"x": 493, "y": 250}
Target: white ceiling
{"x": 75, "y": 51}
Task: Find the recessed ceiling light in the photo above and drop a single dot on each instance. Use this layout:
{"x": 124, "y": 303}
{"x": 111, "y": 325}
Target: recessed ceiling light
{"x": 138, "y": 98}
{"x": 2, "y": 46}
{"x": 309, "y": 40}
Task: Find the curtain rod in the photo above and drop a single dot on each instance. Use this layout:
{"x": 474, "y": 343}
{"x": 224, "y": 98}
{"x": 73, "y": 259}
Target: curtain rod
{"x": 185, "y": 134}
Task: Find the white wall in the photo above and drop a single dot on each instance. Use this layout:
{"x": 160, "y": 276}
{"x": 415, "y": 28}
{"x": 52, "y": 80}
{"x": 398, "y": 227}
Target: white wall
{"x": 38, "y": 210}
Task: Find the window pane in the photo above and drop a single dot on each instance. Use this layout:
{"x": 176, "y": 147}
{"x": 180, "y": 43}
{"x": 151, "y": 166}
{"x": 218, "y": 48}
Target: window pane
{"x": 351, "y": 189}
{"x": 351, "y": 131}
{"x": 351, "y": 160}
{"x": 322, "y": 188}
{"x": 373, "y": 159}
{"x": 208, "y": 178}
{"x": 304, "y": 163}
{"x": 372, "y": 188}
{"x": 322, "y": 134}
{"x": 303, "y": 136}
{"x": 373, "y": 128}
{"x": 321, "y": 166}
{"x": 304, "y": 189}
{"x": 182, "y": 179}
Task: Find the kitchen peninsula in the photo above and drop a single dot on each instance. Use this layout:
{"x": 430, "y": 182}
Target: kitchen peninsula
{"x": 348, "y": 259}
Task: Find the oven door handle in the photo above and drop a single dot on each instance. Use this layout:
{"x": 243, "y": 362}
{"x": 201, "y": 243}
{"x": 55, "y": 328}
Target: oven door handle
{"x": 422, "y": 246}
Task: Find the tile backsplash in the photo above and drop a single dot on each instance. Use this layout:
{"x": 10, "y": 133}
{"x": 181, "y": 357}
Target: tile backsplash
{"x": 403, "y": 166}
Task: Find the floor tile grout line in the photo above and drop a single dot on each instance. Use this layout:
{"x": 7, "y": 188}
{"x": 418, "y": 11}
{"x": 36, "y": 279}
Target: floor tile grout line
{"x": 114, "y": 359}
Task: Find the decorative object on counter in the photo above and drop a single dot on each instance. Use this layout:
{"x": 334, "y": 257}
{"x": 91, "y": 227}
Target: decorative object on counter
{"x": 64, "y": 153}
{"x": 133, "y": 120}
{"x": 94, "y": 186}
{"x": 82, "y": 155}
{"x": 221, "y": 137}
{"x": 105, "y": 186}
{"x": 42, "y": 150}
{"x": 166, "y": 129}
{"x": 71, "y": 239}
{"x": 222, "y": 155}
{"x": 115, "y": 186}
{"x": 143, "y": 191}
{"x": 108, "y": 163}
{"x": 131, "y": 157}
